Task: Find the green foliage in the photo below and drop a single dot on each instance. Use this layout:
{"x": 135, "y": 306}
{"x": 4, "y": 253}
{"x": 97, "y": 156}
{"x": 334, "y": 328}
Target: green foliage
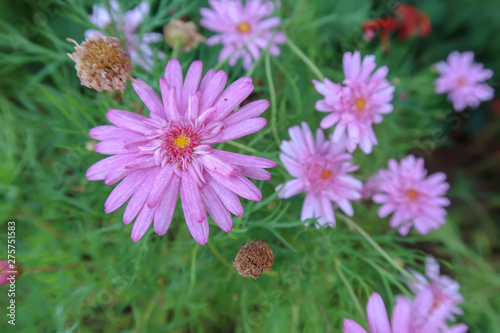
{"x": 82, "y": 272}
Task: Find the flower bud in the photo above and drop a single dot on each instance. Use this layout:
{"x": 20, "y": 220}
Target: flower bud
{"x": 184, "y": 34}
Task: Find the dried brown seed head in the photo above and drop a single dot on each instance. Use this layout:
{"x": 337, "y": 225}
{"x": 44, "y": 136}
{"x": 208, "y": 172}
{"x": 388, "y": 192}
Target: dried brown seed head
{"x": 253, "y": 259}
{"x": 101, "y": 63}
{"x": 184, "y": 33}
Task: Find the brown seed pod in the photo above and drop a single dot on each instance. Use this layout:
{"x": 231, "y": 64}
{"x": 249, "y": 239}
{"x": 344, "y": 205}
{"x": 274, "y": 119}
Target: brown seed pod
{"x": 101, "y": 63}
{"x": 184, "y": 33}
{"x": 253, "y": 259}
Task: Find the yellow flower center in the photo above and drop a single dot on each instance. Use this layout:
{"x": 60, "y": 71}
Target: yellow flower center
{"x": 360, "y": 104}
{"x": 326, "y": 174}
{"x": 243, "y": 27}
{"x": 182, "y": 141}
{"x": 412, "y": 194}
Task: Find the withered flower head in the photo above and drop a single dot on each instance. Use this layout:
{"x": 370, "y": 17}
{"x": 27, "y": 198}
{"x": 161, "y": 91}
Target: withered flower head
{"x": 101, "y": 63}
{"x": 184, "y": 33}
{"x": 253, "y": 259}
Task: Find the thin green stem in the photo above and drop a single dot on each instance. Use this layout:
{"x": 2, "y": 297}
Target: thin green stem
{"x": 377, "y": 247}
{"x": 218, "y": 255}
{"x": 192, "y": 280}
{"x": 175, "y": 52}
{"x": 304, "y": 58}
{"x": 338, "y": 267}
{"x": 272, "y": 92}
{"x": 242, "y": 146}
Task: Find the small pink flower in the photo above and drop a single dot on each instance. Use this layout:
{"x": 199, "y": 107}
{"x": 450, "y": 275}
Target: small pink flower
{"x": 444, "y": 288}
{"x": 462, "y": 79}
{"x": 358, "y": 104}
{"x": 371, "y": 186}
{"x": 407, "y": 316}
{"x": 413, "y": 198}
{"x": 171, "y": 151}
{"x": 243, "y": 30}
{"x": 125, "y": 25}
{"x": 321, "y": 169}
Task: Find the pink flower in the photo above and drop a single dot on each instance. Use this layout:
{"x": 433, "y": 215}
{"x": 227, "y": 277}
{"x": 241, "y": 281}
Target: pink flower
{"x": 125, "y": 25}
{"x": 358, "y": 104}
{"x": 444, "y": 288}
{"x": 371, "y": 186}
{"x": 171, "y": 151}
{"x": 413, "y": 198}
{"x": 462, "y": 79}
{"x": 321, "y": 169}
{"x": 243, "y": 30}
{"x": 407, "y": 316}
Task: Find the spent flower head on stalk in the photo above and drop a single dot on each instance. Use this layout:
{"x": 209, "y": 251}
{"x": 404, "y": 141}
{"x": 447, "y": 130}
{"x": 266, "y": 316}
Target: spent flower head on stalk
{"x": 125, "y": 26}
{"x": 358, "y": 104}
{"x": 463, "y": 80}
{"x": 413, "y": 198}
{"x": 321, "y": 169}
{"x": 184, "y": 34}
{"x": 244, "y": 30}
{"x": 101, "y": 63}
{"x": 253, "y": 259}
{"x": 170, "y": 151}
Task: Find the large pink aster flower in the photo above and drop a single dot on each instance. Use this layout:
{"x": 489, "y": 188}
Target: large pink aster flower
{"x": 171, "y": 151}
{"x": 462, "y": 79}
{"x": 125, "y": 26}
{"x": 362, "y": 101}
{"x": 321, "y": 169}
{"x": 444, "y": 288}
{"x": 407, "y": 316}
{"x": 243, "y": 30}
{"x": 413, "y": 198}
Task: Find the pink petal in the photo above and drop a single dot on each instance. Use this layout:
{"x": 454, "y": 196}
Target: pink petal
{"x": 191, "y": 83}
{"x": 165, "y": 210}
{"x": 173, "y": 75}
{"x": 244, "y": 160}
{"x": 107, "y": 132}
{"x": 140, "y": 196}
{"x": 351, "y": 326}
{"x": 101, "y": 168}
{"x": 255, "y": 173}
{"x": 239, "y": 185}
{"x": 213, "y": 89}
{"x": 228, "y": 197}
{"x": 233, "y": 96}
{"x": 239, "y": 130}
{"x": 160, "y": 184}
{"x": 149, "y": 97}
{"x": 214, "y": 164}
{"x": 194, "y": 210}
{"x": 142, "y": 223}
{"x": 401, "y": 316}
{"x": 124, "y": 190}
{"x": 128, "y": 120}
{"x": 216, "y": 209}
{"x": 291, "y": 188}
{"x": 377, "y": 315}
{"x": 251, "y": 110}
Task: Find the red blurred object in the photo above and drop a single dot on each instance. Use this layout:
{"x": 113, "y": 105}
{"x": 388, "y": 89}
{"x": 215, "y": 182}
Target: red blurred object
{"x": 495, "y": 106}
{"x": 408, "y": 22}
{"x": 411, "y": 22}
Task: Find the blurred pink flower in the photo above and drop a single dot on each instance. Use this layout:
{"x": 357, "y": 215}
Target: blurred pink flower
{"x": 407, "y": 316}
{"x": 125, "y": 26}
{"x": 358, "y": 104}
{"x": 321, "y": 169}
{"x": 413, "y": 198}
{"x": 243, "y": 30}
{"x": 462, "y": 79}
{"x": 171, "y": 151}
{"x": 371, "y": 186}
{"x": 444, "y": 288}
{"x": 6, "y": 269}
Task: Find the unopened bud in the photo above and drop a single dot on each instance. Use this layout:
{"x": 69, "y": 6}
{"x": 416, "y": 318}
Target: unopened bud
{"x": 184, "y": 34}
{"x": 101, "y": 63}
{"x": 9, "y": 272}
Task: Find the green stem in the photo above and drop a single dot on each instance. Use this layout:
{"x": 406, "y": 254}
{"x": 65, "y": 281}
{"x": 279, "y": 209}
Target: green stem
{"x": 338, "y": 267}
{"x": 377, "y": 247}
{"x": 272, "y": 92}
{"x": 218, "y": 255}
{"x": 242, "y": 146}
{"x": 304, "y": 58}
{"x": 175, "y": 52}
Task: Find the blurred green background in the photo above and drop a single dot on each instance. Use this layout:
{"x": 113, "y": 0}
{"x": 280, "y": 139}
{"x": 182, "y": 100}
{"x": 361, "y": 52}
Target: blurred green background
{"x": 82, "y": 272}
